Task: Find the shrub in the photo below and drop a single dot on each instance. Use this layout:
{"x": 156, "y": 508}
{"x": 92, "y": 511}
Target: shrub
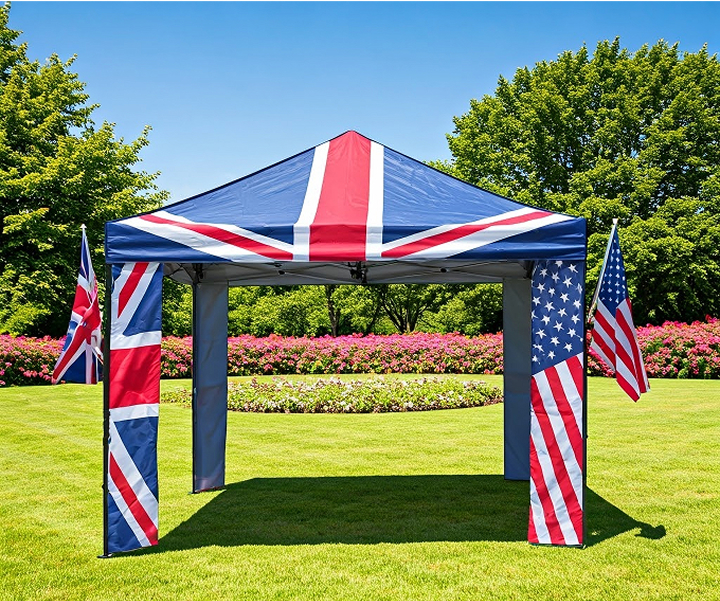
{"x": 673, "y": 350}
{"x": 373, "y": 395}
{"x": 26, "y": 361}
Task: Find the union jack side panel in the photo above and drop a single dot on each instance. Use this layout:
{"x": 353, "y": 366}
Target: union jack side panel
{"x": 134, "y": 396}
{"x": 557, "y": 398}
{"x": 349, "y": 199}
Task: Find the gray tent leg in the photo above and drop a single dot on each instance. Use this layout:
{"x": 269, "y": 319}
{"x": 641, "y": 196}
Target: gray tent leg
{"x": 209, "y": 400}
{"x": 517, "y": 349}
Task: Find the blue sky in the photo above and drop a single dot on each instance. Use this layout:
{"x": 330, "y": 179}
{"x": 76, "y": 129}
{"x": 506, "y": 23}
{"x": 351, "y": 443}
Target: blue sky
{"x": 230, "y": 87}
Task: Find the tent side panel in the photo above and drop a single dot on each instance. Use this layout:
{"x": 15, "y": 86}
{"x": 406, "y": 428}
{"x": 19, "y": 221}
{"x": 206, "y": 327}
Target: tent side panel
{"x": 210, "y": 356}
{"x": 133, "y": 397}
{"x": 516, "y": 378}
{"x": 557, "y": 430}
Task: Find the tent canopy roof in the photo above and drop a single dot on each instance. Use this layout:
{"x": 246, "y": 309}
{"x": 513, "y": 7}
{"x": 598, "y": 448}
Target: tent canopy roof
{"x": 350, "y": 211}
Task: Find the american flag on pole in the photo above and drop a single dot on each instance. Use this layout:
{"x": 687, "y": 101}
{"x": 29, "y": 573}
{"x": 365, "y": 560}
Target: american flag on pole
{"x": 557, "y": 458}
{"x": 81, "y": 357}
{"x": 613, "y": 335}
{"x": 132, "y": 479}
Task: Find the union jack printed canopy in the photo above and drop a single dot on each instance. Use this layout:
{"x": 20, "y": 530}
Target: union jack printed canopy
{"x": 349, "y": 201}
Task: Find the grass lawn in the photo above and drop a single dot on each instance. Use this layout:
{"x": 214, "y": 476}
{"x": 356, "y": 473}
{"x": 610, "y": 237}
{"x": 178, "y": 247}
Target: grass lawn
{"x": 376, "y": 506}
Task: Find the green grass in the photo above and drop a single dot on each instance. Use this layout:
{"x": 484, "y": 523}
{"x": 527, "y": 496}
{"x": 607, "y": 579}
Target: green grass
{"x": 376, "y": 506}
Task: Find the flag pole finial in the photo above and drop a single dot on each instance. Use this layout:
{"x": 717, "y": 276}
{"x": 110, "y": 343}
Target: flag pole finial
{"x": 82, "y": 226}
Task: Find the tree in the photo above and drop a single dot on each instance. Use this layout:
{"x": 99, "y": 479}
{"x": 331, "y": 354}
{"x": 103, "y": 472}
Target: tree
{"x": 473, "y": 309}
{"x": 57, "y": 171}
{"x": 615, "y": 134}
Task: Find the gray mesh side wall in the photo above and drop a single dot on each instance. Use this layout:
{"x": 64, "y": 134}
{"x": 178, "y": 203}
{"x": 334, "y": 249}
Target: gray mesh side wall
{"x": 210, "y": 319}
{"x": 517, "y": 348}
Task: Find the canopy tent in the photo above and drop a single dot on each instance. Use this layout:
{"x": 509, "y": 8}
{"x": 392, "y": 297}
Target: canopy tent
{"x": 346, "y": 211}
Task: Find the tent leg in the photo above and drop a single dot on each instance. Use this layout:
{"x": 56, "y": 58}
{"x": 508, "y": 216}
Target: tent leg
{"x": 209, "y": 399}
{"x": 517, "y": 348}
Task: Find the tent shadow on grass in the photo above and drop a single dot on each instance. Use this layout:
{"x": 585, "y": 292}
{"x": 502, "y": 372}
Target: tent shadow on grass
{"x": 377, "y": 509}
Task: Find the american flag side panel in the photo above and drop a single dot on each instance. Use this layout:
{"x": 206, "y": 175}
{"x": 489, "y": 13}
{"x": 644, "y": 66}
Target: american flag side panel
{"x": 557, "y": 461}
{"x": 133, "y": 401}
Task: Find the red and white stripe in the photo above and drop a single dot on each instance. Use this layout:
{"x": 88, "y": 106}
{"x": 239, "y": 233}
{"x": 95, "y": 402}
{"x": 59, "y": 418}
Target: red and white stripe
{"x": 453, "y": 239}
{"x": 615, "y": 341}
{"x": 341, "y": 216}
{"x": 134, "y": 394}
{"x": 556, "y": 454}
{"x": 227, "y": 242}
{"x": 137, "y": 503}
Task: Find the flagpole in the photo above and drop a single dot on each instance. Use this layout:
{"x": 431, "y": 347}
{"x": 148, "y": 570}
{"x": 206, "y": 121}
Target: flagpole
{"x": 593, "y": 304}
{"x": 106, "y": 406}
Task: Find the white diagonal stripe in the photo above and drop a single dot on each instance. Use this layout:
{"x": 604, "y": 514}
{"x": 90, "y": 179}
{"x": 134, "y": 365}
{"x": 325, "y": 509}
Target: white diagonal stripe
{"x": 127, "y": 514}
{"x": 120, "y": 322}
{"x": 203, "y": 243}
{"x": 133, "y": 476}
{"x": 441, "y": 229}
{"x": 492, "y": 234}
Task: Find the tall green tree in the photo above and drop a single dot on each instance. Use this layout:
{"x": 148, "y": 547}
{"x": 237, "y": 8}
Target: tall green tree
{"x": 57, "y": 171}
{"x": 614, "y": 134}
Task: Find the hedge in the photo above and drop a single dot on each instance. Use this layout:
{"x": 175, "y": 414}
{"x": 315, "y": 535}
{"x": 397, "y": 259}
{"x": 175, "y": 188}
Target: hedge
{"x": 673, "y": 350}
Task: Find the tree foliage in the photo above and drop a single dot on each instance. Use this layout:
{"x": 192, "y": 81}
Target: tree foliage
{"x": 617, "y": 134}
{"x": 57, "y": 171}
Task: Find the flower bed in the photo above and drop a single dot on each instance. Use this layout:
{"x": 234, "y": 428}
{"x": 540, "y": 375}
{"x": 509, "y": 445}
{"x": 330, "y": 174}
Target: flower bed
{"x": 406, "y": 354}
{"x": 372, "y": 395}
{"x": 27, "y": 361}
{"x": 673, "y": 350}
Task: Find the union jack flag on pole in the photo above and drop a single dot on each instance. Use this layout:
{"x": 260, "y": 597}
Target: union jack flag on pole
{"x": 81, "y": 357}
{"x": 613, "y": 334}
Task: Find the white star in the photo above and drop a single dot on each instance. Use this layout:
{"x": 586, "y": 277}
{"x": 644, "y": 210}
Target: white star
{"x": 543, "y": 272}
{"x": 576, "y": 304}
{"x": 551, "y": 354}
{"x": 562, "y": 313}
{"x": 541, "y": 333}
{"x": 558, "y": 263}
{"x": 564, "y": 297}
{"x": 573, "y": 268}
{"x": 558, "y": 326}
{"x": 541, "y": 287}
{"x": 567, "y": 282}
{"x": 571, "y": 332}
{"x": 536, "y": 300}
{"x": 546, "y": 320}
{"x": 551, "y": 291}
{"x": 555, "y": 341}
{"x": 535, "y": 359}
{"x": 555, "y": 277}
{"x": 549, "y": 306}
{"x": 575, "y": 318}
{"x": 568, "y": 347}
